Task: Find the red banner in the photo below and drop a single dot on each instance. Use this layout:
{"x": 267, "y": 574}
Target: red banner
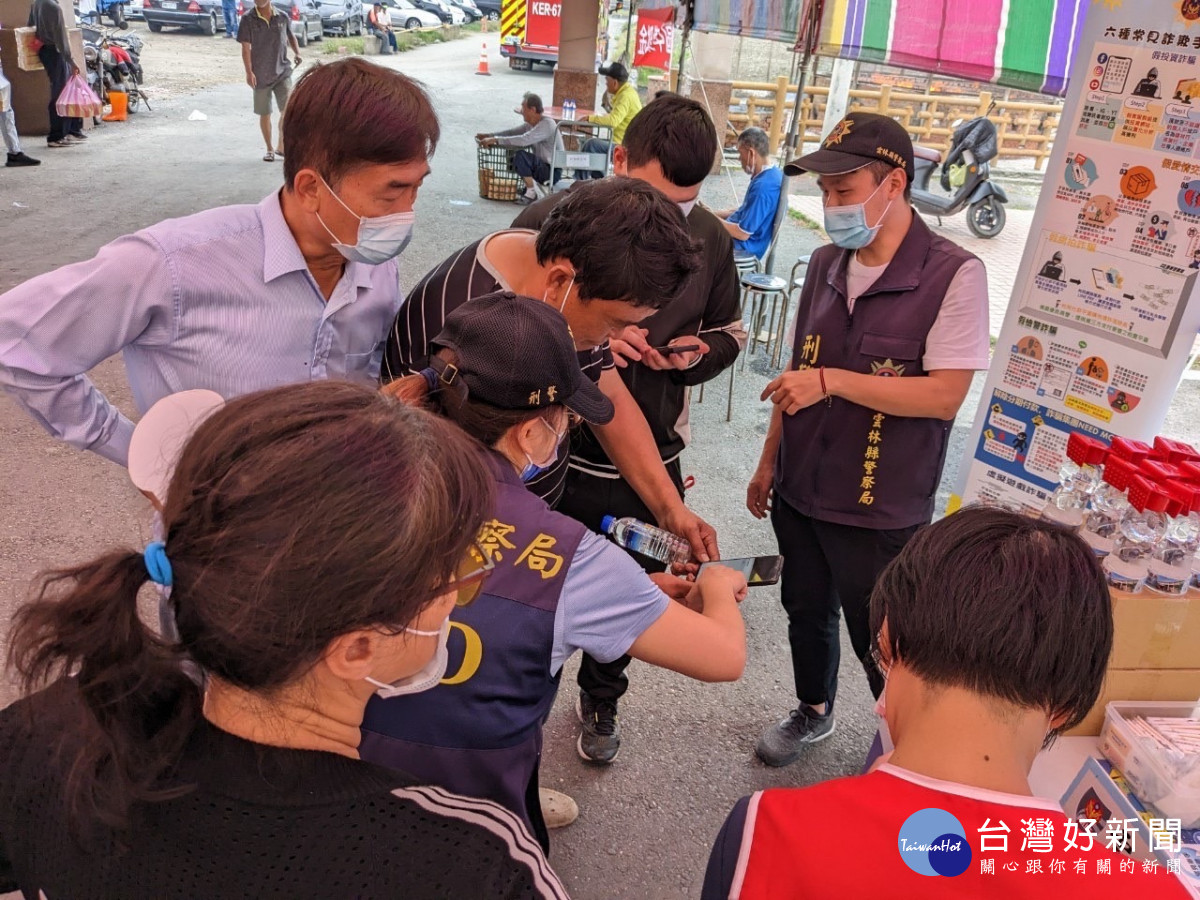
{"x": 655, "y": 38}
{"x": 542, "y": 22}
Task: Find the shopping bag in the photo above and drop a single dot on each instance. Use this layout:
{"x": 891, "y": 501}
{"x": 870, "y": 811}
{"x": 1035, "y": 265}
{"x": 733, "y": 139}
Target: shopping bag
{"x": 77, "y": 100}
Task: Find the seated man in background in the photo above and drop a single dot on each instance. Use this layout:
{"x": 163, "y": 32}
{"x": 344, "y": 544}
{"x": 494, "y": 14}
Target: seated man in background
{"x": 537, "y": 137}
{"x": 994, "y": 632}
{"x": 751, "y": 223}
{"x": 379, "y": 23}
{"x": 626, "y": 103}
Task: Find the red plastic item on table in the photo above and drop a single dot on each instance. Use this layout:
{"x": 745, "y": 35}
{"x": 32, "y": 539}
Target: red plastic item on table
{"x": 1119, "y": 472}
{"x": 1144, "y": 495}
{"x": 1129, "y": 449}
{"x": 1177, "y": 451}
{"x": 1085, "y": 451}
{"x": 1190, "y": 470}
{"x": 1184, "y": 497}
{"x": 1159, "y": 470}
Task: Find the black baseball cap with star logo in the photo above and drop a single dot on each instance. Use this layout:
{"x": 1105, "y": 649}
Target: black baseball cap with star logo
{"x": 857, "y": 140}
{"x": 517, "y": 353}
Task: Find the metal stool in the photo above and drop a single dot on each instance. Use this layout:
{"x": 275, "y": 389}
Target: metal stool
{"x": 756, "y": 289}
{"x": 745, "y": 262}
{"x": 795, "y": 281}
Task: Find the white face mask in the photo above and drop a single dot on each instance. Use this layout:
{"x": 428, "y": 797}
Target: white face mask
{"x": 687, "y": 207}
{"x": 380, "y": 238}
{"x": 429, "y": 676}
{"x": 847, "y": 225}
{"x": 563, "y": 305}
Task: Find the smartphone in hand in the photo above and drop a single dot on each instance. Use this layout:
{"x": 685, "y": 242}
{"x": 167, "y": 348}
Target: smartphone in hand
{"x": 759, "y": 570}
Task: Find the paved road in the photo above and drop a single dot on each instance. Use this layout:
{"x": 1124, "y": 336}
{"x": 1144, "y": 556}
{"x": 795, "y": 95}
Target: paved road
{"x": 646, "y": 821}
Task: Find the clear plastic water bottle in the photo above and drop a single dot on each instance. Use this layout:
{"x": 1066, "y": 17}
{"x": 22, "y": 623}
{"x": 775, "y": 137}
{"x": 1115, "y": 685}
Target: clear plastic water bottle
{"x": 1142, "y": 526}
{"x": 640, "y": 537}
{"x": 1107, "y": 504}
{"x": 1067, "y": 504}
{"x": 1170, "y": 568}
{"x": 1080, "y": 475}
{"x": 569, "y": 110}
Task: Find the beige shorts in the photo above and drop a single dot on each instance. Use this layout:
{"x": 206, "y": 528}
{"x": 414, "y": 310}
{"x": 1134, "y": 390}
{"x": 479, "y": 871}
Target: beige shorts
{"x": 262, "y": 96}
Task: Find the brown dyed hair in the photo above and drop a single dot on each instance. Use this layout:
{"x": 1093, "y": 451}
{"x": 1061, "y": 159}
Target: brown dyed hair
{"x": 275, "y": 553}
{"x": 352, "y": 113}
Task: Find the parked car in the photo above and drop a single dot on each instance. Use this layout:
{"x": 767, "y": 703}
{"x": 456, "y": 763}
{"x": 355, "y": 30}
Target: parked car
{"x": 204, "y": 15}
{"x": 344, "y": 17}
{"x": 439, "y": 9}
{"x": 406, "y": 16}
{"x": 306, "y": 19}
{"x": 490, "y": 9}
{"x": 133, "y": 9}
{"x": 470, "y": 10}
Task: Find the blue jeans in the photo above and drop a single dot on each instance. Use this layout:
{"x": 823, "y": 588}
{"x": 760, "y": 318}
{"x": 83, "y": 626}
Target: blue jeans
{"x": 229, "y": 8}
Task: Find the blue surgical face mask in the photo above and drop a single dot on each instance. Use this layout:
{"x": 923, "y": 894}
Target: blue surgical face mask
{"x": 847, "y": 225}
{"x": 533, "y": 470}
{"x": 380, "y": 238}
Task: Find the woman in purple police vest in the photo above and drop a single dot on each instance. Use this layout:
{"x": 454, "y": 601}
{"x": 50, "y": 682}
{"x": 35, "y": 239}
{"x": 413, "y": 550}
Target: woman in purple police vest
{"x": 505, "y": 370}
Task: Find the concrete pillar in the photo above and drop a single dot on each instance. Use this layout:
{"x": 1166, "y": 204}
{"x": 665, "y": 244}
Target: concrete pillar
{"x": 575, "y": 75}
{"x": 707, "y": 79}
{"x": 841, "y": 80}
{"x": 31, "y": 90}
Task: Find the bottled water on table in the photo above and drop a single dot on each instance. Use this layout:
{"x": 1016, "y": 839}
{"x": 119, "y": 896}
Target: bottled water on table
{"x": 1170, "y": 568}
{"x": 646, "y": 539}
{"x": 1142, "y": 526}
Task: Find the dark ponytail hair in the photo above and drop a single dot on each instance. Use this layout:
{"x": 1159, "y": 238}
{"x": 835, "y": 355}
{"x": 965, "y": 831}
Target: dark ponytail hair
{"x": 483, "y": 421}
{"x": 275, "y": 550}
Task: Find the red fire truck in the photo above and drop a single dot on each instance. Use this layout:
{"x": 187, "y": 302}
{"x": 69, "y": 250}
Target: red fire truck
{"x": 529, "y": 31}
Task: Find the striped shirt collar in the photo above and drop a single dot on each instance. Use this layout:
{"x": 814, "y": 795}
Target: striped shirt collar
{"x": 281, "y": 253}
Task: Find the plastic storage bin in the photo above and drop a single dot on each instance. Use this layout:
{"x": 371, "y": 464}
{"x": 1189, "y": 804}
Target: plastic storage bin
{"x": 497, "y": 178}
{"x": 1167, "y": 780}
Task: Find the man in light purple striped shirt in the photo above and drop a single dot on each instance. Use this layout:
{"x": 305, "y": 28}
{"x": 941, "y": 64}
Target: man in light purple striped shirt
{"x": 236, "y": 299}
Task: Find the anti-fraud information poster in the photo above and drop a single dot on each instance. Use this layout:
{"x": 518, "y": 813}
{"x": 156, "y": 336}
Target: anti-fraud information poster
{"x": 1104, "y": 309}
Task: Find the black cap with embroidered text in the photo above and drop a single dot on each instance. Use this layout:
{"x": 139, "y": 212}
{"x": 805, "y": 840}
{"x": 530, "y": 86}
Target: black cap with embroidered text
{"x": 856, "y": 141}
{"x": 517, "y": 353}
{"x": 615, "y": 70}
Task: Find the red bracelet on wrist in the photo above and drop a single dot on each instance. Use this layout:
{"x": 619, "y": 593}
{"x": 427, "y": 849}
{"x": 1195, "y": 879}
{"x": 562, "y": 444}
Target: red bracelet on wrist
{"x": 824, "y": 389}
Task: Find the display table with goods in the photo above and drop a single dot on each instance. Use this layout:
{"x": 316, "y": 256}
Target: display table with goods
{"x": 1138, "y": 507}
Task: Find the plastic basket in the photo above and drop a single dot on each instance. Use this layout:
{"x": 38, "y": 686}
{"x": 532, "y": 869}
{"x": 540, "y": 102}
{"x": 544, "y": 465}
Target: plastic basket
{"x": 1164, "y": 779}
{"x": 497, "y": 180}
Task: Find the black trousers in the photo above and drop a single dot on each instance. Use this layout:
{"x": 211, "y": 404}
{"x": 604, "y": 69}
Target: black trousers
{"x": 59, "y": 72}
{"x": 828, "y": 567}
{"x": 589, "y": 499}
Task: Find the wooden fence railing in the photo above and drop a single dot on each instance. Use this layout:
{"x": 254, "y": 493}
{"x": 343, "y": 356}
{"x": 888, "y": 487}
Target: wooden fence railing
{"x": 1026, "y": 130}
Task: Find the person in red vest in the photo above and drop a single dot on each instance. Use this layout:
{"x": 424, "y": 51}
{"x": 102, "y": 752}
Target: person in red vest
{"x": 994, "y": 632}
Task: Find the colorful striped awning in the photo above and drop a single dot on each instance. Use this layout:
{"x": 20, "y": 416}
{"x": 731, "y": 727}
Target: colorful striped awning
{"x": 1027, "y": 44}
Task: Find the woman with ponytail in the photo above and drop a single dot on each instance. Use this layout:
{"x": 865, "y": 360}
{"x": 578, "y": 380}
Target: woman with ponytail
{"x": 225, "y": 763}
{"x": 505, "y": 371}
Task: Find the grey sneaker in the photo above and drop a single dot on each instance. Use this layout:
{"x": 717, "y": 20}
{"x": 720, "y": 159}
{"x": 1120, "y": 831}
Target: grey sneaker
{"x": 601, "y": 736}
{"x": 784, "y": 741}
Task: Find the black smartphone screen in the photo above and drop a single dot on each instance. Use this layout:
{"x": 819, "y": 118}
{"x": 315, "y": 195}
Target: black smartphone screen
{"x": 759, "y": 570}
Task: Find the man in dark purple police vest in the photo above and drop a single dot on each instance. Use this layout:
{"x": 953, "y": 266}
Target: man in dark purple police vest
{"x": 892, "y": 323}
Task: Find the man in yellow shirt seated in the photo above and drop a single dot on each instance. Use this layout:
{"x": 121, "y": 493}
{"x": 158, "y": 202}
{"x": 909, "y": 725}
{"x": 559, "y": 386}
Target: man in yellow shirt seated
{"x": 625, "y": 105}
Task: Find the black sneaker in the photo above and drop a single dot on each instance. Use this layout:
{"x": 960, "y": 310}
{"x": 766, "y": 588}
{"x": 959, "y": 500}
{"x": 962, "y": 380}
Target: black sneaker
{"x": 601, "y": 736}
{"x": 784, "y": 741}
{"x": 20, "y": 159}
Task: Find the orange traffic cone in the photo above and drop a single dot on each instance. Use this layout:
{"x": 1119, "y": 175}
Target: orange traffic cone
{"x": 483, "y": 61}
{"x": 120, "y": 107}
